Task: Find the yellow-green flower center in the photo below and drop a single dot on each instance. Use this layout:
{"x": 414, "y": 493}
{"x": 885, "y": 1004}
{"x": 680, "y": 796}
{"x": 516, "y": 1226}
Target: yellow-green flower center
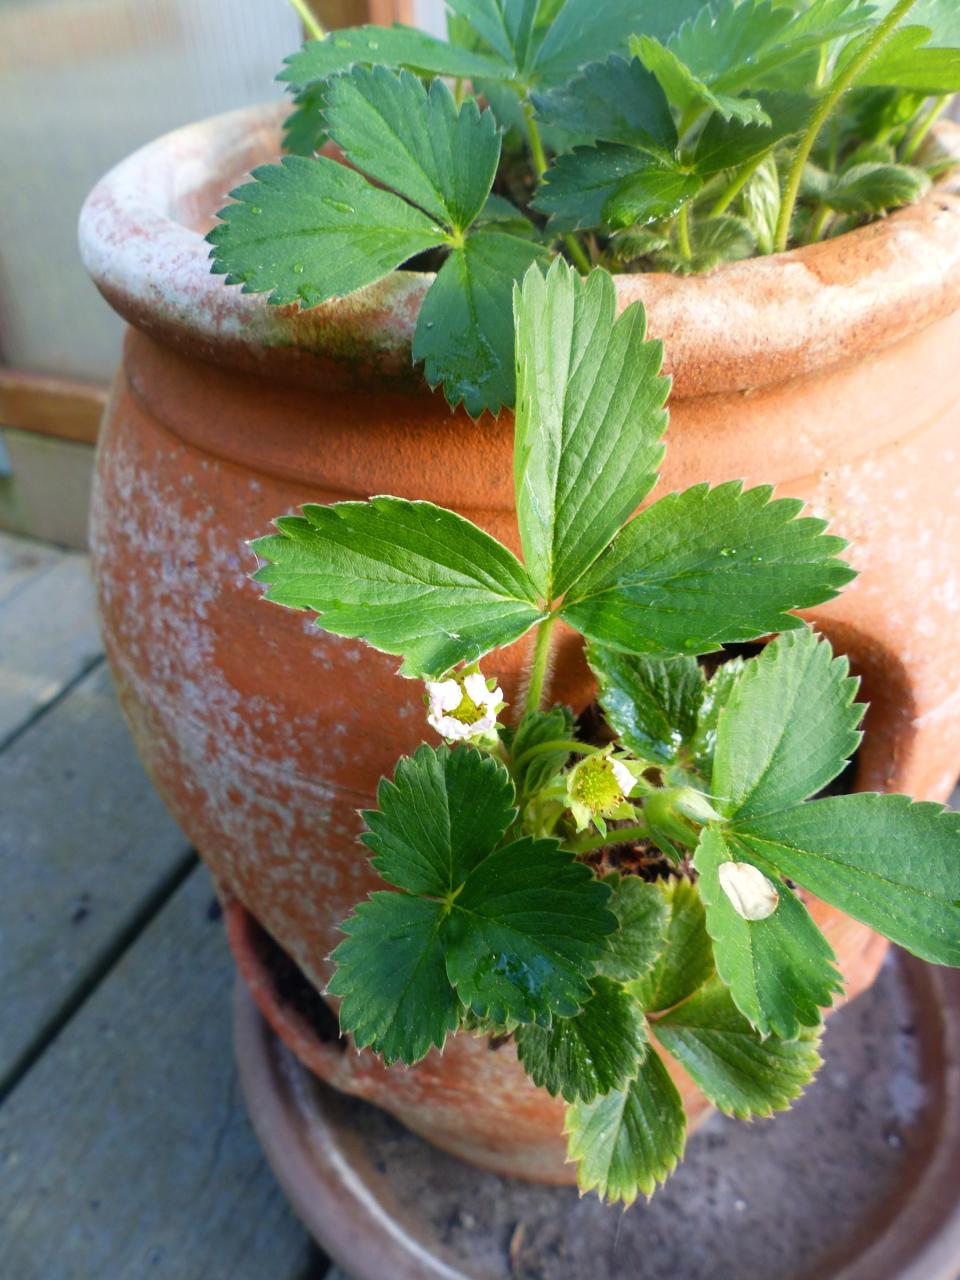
{"x": 467, "y": 712}
{"x": 594, "y": 784}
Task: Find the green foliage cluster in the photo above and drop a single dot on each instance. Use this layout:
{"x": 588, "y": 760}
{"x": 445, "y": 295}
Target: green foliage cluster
{"x": 629, "y": 134}
{"x": 504, "y": 914}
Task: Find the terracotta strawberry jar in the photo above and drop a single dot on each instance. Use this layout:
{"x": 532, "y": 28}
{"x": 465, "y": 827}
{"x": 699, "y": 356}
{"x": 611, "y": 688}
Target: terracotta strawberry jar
{"x": 830, "y": 371}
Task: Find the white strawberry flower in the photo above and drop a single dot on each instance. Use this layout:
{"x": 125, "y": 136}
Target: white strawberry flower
{"x": 462, "y": 706}
{"x": 751, "y": 893}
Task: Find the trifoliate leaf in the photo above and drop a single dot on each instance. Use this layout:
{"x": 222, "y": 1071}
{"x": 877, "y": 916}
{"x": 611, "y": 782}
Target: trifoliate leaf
{"x": 588, "y": 421}
{"x": 686, "y": 90}
{"x": 533, "y": 769}
{"x": 650, "y": 194}
{"x": 415, "y": 140}
{"x": 409, "y": 578}
{"x": 686, "y": 959}
{"x": 871, "y": 188}
{"x": 310, "y": 230}
{"x": 599, "y": 1049}
{"x": 464, "y": 331}
{"x": 526, "y": 932}
{"x": 893, "y": 864}
{"x": 643, "y": 916}
{"x": 396, "y": 46}
{"x": 716, "y": 695}
{"x": 788, "y": 728}
{"x": 741, "y": 1073}
{"x": 613, "y": 101}
{"x": 704, "y": 568}
{"x": 627, "y": 1142}
{"x": 397, "y": 998}
{"x": 780, "y": 970}
{"x": 441, "y": 815}
{"x": 507, "y": 29}
{"x": 651, "y": 703}
{"x": 585, "y": 31}
{"x": 726, "y": 144}
{"x": 577, "y": 186}
{"x": 305, "y": 130}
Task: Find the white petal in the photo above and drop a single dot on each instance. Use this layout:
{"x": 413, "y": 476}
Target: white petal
{"x": 476, "y": 687}
{"x": 453, "y": 730}
{"x": 623, "y": 776}
{"x": 752, "y": 894}
{"x": 444, "y": 695}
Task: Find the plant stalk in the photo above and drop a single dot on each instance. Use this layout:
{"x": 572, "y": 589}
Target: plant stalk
{"x": 621, "y": 836}
{"x": 741, "y": 178}
{"x": 578, "y": 254}
{"x": 537, "y": 153}
{"x": 833, "y": 95}
{"x": 922, "y": 127}
{"x": 314, "y": 29}
{"x": 540, "y": 665}
{"x": 822, "y": 215}
{"x": 556, "y": 744}
{"x": 683, "y": 233}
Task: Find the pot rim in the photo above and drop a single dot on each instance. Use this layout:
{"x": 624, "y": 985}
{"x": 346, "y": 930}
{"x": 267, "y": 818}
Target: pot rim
{"x": 743, "y": 325}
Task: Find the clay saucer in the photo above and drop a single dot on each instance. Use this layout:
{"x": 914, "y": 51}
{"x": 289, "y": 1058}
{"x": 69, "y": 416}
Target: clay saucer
{"x": 860, "y": 1181}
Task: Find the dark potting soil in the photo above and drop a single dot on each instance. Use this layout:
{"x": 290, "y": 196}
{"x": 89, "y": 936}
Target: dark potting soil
{"x": 293, "y": 989}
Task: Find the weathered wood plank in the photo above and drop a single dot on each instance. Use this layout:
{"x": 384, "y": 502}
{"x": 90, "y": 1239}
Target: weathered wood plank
{"x": 48, "y": 637}
{"x": 60, "y": 407}
{"x": 85, "y": 847}
{"x": 126, "y": 1152}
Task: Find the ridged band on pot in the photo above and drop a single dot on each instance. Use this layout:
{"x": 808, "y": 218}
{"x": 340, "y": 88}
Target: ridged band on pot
{"x": 830, "y": 371}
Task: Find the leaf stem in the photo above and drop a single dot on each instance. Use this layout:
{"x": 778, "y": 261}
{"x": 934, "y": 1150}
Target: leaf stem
{"x": 578, "y": 254}
{"x": 537, "y": 152}
{"x": 314, "y": 29}
{"x": 556, "y": 744}
{"x": 922, "y": 127}
{"x": 740, "y": 180}
{"x": 683, "y": 232}
{"x": 540, "y": 665}
{"x": 834, "y": 93}
{"x": 623, "y": 835}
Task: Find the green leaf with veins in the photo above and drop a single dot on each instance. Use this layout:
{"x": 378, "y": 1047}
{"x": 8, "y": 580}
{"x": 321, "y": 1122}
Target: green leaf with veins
{"x": 310, "y": 230}
{"x": 905, "y": 62}
{"x": 628, "y": 1141}
{"x": 686, "y": 90}
{"x": 725, "y": 238}
{"x": 536, "y": 729}
{"x": 464, "y": 332}
{"x": 726, "y": 144}
{"x": 526, "y": 932}
{"x": 891, "y": 863}
{"x": 761, "y": 203}
{"x": 442, "y": 814}
{"x": 643, "y": 917}
{"x": 589, "y": 418}
{"x": 650, "y": 194}
{"x": 305, "y": 130}
{"x": 416, "y": 141}
{"x": 613, "y": 101}
{"x": 392, "y": 977}
{"x": 686, "y": 960}
{"x": 407, "y": 577}
{"x": 577, "y": 186}
{"x": 652, "y": 704}
{"x": 780, "y": 970}
{"x": 505, "y": 28}
{"x": 396, "y": 46}
{"x": 716, "y": 695}
{"x": 742, "y": 1073}
{"x": 582, "y": 32}
{"x": 599, "y": 1049}
{"x": 704, "y": 568}
{"x": 871, "y": 188}
{"x": 941, "y": 16}
{"x": 789, "y": 727}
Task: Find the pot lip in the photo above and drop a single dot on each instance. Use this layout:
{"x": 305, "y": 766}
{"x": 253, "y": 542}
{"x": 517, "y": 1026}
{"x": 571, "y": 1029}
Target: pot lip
{"x": 743, "y": 325}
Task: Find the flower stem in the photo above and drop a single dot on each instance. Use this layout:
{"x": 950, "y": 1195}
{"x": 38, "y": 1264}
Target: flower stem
{"x": 922, "y": 127}
{"x": 623, "y": 835}
{"x": 556, "y": 744}
{"x": 834, "y": 93}
{"x": 536, "y": 145}
{"x": 314, "y": 28}
{"x": 578, "y": 254}
{"x": 683, "y": 233}
{"x": 541, "y": 664}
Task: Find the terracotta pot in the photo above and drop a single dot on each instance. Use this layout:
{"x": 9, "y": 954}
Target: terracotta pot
{"x": 830, "y": 371}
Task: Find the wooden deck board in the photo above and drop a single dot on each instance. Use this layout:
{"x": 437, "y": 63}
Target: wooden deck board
{"x": 48, "y": 633}
{"x": 126, "y": 1152}
{"x": 86, "y": 846}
